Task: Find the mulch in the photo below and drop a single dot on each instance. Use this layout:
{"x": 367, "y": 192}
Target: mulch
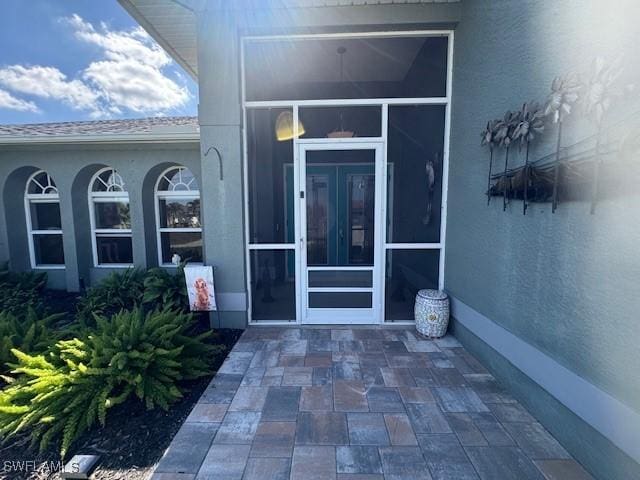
{"x": 131, "y": 443}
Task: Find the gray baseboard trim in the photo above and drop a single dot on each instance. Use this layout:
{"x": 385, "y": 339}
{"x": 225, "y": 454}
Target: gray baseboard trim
{"x": 228, "y": 319}
{"x": 232, "y": 302}
{"x": 613, "y": 419}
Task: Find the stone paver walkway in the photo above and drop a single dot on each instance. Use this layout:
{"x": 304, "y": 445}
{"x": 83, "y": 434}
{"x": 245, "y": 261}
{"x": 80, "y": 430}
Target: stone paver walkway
{"x": 359, "y": 403}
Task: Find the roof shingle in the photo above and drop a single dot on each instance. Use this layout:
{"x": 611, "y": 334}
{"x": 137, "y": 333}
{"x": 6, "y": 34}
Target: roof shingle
{"x": 103, "y": 127}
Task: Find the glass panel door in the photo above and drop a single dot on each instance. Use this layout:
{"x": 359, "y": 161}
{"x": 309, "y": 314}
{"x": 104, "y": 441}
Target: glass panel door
{"x": 340, "y": 232}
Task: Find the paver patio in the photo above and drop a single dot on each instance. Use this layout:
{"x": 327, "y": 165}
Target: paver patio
{"x": 359, "y": 403}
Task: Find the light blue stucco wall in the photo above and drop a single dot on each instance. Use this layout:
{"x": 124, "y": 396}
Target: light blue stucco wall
{"x": 72, "y": 168}
{"x": 567, "y": 283}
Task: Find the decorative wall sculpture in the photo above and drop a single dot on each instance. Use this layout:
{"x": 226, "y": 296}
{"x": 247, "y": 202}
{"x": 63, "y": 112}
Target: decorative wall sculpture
{"x": 571, "y": 172}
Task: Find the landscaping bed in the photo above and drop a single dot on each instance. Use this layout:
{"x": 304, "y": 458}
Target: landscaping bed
{"x": 113, "y": 371}
{"x": 133, "y": 439}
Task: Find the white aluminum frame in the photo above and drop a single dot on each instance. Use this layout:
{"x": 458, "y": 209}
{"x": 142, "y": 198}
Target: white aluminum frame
{"x": 106, "y": 197}
{"x": 384, "y": 103}
{"x": 173, "y": 195}
{"x": 30, "y": 198}
{"x": 308, "y": 315}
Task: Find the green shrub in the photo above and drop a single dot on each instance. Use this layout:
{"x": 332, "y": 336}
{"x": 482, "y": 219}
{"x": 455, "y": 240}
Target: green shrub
{"x": 165, "y": 290}
{"x": 31, "y": 334}
{"x": 155, "y": 289}
{"x": 64, "y": 393}
{"x": 20, "y": 290}
{"x": 119, "y": 291}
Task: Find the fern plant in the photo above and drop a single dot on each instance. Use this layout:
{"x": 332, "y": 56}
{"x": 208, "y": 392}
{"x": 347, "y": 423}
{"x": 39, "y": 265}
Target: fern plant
{"x": 66, "y": 392}
{"x": 166, "y": 290}
{"x": 19, "y": 290}
{"x": 31, "y": 333}
{"x": 119, "y": 291}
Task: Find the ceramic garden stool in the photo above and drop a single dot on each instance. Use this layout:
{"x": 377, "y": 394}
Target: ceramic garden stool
{"x": 431, "y": 312}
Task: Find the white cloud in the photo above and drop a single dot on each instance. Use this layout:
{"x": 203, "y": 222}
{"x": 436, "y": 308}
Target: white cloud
{"x": 10, "y": 102}
{"x": 119, "y": 45}
{"x": 50, "y": 83}
{"x": 131, "y": 74}
{"x": 135, "y": 86}
{"x": 127, "y": 76}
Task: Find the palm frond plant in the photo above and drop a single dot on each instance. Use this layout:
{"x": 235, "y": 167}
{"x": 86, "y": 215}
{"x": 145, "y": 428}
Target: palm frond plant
{"x": 504, "y": 137}
{"x": 529, "y": 124}
{"x": 489, "y": 139}
{"x": 601, "y": 90}
{"x": 564, "y": 93}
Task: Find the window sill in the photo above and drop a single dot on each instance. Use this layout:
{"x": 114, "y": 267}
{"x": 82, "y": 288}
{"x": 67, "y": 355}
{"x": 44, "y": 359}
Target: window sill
{"x": 114, "y": 265}
{"x": 171, "y": 265}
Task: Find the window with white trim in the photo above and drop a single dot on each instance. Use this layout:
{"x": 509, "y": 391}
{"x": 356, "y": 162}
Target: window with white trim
{"x": 110, "y": 219}
{"x": 44, "y": 225}
{"x": 178, "y": 217}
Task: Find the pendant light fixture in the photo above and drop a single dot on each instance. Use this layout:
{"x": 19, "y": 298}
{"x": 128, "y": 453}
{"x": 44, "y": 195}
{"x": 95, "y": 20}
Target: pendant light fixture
{"x": 340, "y": 132}
{"x": 284, "y": 127}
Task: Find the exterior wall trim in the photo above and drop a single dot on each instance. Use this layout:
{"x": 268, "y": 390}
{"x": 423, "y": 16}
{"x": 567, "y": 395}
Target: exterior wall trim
{"x": 612, "y": 418}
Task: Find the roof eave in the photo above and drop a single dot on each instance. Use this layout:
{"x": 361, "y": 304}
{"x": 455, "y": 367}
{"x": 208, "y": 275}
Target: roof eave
{"x": 151, "y": 30}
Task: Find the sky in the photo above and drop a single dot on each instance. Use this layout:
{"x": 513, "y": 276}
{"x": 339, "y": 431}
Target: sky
{"x": 70, "y": 60}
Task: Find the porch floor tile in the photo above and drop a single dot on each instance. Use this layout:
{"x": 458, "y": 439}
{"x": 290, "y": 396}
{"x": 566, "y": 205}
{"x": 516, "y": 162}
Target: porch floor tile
{"x": 361, "y": 402}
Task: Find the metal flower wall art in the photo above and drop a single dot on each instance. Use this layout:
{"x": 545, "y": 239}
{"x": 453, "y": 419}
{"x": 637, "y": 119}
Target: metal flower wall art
{"x": 602, "y": 89}
{"x": 530, "y": 124}
{"x": 553, "y": 177}
{"x": 564, "y": 93}
{"x": 489, "y": 139}
{"x": 504, "y": 137}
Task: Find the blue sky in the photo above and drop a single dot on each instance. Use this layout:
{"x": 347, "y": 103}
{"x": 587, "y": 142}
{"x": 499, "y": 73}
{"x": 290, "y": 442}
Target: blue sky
{"x": 63, "y": 60}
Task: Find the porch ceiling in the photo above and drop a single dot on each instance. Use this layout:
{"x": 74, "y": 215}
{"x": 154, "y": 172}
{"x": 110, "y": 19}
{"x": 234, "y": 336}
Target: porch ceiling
{"x": 172, "y": 23}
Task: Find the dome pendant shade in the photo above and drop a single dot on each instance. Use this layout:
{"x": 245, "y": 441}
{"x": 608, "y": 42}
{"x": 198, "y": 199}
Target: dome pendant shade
{"x": 284, "y": 127}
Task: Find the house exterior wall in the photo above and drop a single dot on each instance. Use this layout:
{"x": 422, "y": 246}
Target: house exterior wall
{"x": 565, "y": 283}
{"x": 72, "y": 168}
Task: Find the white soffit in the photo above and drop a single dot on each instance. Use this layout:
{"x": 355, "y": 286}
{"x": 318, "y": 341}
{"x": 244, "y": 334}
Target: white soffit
{"x": 172, "y": 23}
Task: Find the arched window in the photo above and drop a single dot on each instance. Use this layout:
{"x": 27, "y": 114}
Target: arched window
{"x": 178, "y": 217}
{"x": 44, "y": 225}
{"x": 110, "y": 219}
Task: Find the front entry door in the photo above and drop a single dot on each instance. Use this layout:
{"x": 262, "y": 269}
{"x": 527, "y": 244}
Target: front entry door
{"x": 340, "y": 232}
